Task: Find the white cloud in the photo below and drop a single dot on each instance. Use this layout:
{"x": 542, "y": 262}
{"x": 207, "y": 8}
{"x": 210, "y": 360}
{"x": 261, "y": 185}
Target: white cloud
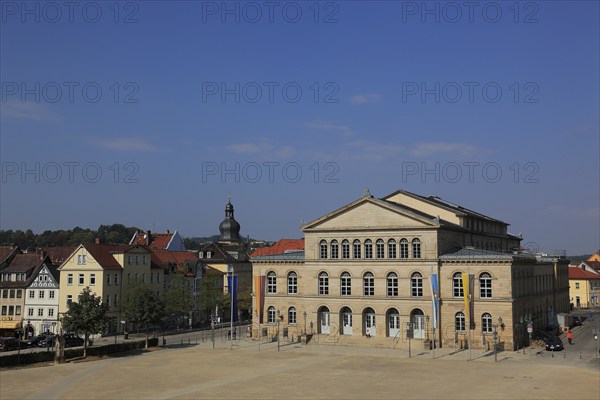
{"x": 127, "y": 144}
{"x": 360, "y": 99}
{"x": 26, "y": 110}
{"x": 428, "y": 149}
{"x": 328, "y": 126}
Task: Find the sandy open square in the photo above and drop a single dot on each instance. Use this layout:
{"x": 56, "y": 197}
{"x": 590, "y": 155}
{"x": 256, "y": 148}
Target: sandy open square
{"x": 302, "y": 372}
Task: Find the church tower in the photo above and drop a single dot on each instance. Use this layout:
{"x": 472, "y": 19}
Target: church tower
{"x": 229, "y": 228}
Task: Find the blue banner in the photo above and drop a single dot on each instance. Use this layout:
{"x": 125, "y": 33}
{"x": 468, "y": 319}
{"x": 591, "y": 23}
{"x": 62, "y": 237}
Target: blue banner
{"x": 434, "y": 299}
{"x": 233, "y": 290}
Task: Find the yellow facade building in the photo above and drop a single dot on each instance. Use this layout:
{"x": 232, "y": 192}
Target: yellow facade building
{"x": 365, "y": 277}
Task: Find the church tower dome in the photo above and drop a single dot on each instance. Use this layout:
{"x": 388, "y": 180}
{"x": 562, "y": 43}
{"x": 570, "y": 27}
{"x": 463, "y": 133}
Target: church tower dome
{"x": 229, "y": 228}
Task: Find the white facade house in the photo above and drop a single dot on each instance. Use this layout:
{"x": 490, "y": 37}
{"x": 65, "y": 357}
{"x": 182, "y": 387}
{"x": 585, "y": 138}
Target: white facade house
{"x": 41, "y": 302}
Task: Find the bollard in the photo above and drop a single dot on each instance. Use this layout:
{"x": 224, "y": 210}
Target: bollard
{"x": 580, "y": 355}
{"x": 552, "y": 354}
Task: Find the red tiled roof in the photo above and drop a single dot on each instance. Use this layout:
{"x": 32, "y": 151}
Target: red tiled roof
{"x": 280, "y": 247}
{"x": 579, "y": 273}
{"x": 157, "y": 240}
{"x": 103, "y": 253}
{"x": 6, "y": 251}
{"x": 58, "y": 254}
{"x": 164, "y": 257}
{"x": 24, "y": 262}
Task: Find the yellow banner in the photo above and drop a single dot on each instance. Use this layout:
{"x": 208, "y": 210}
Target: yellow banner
{"x": 465, "y": 282}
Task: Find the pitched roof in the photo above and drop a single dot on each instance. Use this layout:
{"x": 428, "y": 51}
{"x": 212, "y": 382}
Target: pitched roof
{"x": 157, "y": 240}
{"x": 24, "y": 262}
{"x": 593, "y": 264}
{"x": 6, "y": 251}
{"x": 103, "y": 253}
{"x": 280, "y": 247}
{"x": 580, "y": 273}
{"x": 58, "y": 254}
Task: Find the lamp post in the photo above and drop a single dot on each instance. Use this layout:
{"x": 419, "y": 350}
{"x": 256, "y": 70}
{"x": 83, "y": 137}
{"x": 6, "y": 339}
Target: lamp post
{"x": 278, "y": 321}
{"x": 231, "y": 289}
{"x": 495, "y": 342}
{"x": 304, "y": 314}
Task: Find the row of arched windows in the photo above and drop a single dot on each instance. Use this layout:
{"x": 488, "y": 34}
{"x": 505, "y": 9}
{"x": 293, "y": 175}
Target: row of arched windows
{"x": 460, "y": 322}
{"x": 368, "y": 287}
{"x": 332, "y": 249}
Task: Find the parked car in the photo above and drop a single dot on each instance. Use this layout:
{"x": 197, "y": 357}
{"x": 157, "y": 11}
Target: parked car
{"x": 48, "y": 341}
{"x": 576, "y": 321}
{"x": 34, "y": 341}
{"x": 72, "y": 340}
{"x": 554, "y": 343}
{"x": 9, "y": 343}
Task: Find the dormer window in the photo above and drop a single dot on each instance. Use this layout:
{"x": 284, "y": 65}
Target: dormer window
{"x": 208, "y": 254}
{"x": 201, "y": 254}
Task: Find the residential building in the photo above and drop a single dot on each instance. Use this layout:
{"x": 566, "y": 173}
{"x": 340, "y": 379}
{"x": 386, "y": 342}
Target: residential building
{"x": 365, "y": 278}
{"x": 16, "y": 276}
{"x": 41, "y": 301}
{"x": 584, "y": 287}
{"x": 109, "y": 271}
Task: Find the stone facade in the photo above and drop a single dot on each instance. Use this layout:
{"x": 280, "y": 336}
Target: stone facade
{"x": 364, "y": 277}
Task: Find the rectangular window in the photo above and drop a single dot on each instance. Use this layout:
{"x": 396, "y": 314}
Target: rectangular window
{"x": 151, "y": 277}
{"x": 19, "y": 293}
{"x": 40, "y": 312}
{"x": 144, "y": 260}
{"x": 32, "y": 294}
{"x": 41, "y": 294}
{"x": 51, "y": 294}
{"x": 18, "y": 310}
{"x": 12, "y": 293}
{"x": 81, "y": 259}
{"x": 116, "y": 300}
{"x": 70, "y": 279}
{"x": 576, "y": 285}
{"x": 51, "y": 312}
{"x": 81, "y": 280}
{"x": 107, "y": 279}
{"x": 4, "y": 310}
{"x": 5, "y": 293}
{"x": 69, "y": 298}
{"x": 108, "y": 299}
{"x": 93, "y": 279}
{"x": 136, "y": 260}
{"x": 30, "y": 312}
{"x": 11, "y": 310}
{"x": 116, "y": 279}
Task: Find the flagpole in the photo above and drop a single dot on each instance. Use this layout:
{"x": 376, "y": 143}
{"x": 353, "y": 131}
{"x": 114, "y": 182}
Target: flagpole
{"x": 433, "y": 313}
{"x": 231, "y": 288}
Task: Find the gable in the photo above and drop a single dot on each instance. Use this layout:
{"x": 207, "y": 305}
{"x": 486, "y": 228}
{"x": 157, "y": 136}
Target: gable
{"x": 369, "y": 215}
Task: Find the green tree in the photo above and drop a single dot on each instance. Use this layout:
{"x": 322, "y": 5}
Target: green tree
{"x": 178, "y": 299}
{"x": 86, "y": 316}
{"x": 211, "y": 294}
{"x": 143, "y": 307}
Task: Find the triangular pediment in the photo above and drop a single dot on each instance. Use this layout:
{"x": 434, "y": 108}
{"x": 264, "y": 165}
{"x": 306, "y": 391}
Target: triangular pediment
{"x": 370, "y": 213}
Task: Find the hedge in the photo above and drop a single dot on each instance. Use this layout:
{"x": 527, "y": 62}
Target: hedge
{"x": 48, "y": 356}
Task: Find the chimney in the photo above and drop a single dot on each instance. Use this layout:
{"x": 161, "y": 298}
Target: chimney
{"x": 168, "y": 231}
{"x": 148, "y": 237}
{"x": 97, "y": 241}
{"x": 42, "y": 255}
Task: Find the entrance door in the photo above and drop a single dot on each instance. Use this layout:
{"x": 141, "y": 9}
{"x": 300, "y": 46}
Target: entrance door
{"x": 419, "y": 326}
{"x": 347, "y": 323}
{"x": 325, "y": 322}
{"x": 370, "y": 329}
{"x": 393, "y": 325}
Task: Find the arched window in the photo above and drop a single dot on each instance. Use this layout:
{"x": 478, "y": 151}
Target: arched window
{"x": 485, "y": 286}
{"x": 380, "y": 248}
{"x": 345, "y": 249}
{"x": 392, "y": 284}
{"x": 486, "y": 323}
{"x": 459, "y": 322}
{"x": 457, "y": 285}
{"x": 271, "y": 315}
{"x": 334, "y": 249}
{"x": 346, "y": 284}
{"x": 323, "y": 283}
{"x": 368, "y": 248}
{"x": 271, "y": 282}
{"x": 416, "y": 285}
{"x": 368, "y": 284}
{"x": 323, "y": 248}
{"x": 292, "y": 315}
{"x": 403, "y": 249}
{"x": 292, "y": 283}
{"x": 416, "y": 248}
{"x": 391, "y": 248}
{"x": 356, "y": 249}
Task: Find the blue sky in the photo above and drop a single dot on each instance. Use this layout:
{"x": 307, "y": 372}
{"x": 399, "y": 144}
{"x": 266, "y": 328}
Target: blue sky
{"x": 178, "y": 104}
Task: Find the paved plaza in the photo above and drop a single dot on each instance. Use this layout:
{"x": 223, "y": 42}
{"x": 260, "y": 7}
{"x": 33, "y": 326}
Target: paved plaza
{"x": 197, "y": 371}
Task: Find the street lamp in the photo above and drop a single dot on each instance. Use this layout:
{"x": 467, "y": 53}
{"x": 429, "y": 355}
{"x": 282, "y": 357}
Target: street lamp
{"x": 304, "y": 314}
{"x": 278, "y": 321}
{"x": 495, "y": 342}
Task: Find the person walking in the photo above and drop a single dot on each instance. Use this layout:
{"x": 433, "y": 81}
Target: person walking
{"x": 570, "y": 336}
